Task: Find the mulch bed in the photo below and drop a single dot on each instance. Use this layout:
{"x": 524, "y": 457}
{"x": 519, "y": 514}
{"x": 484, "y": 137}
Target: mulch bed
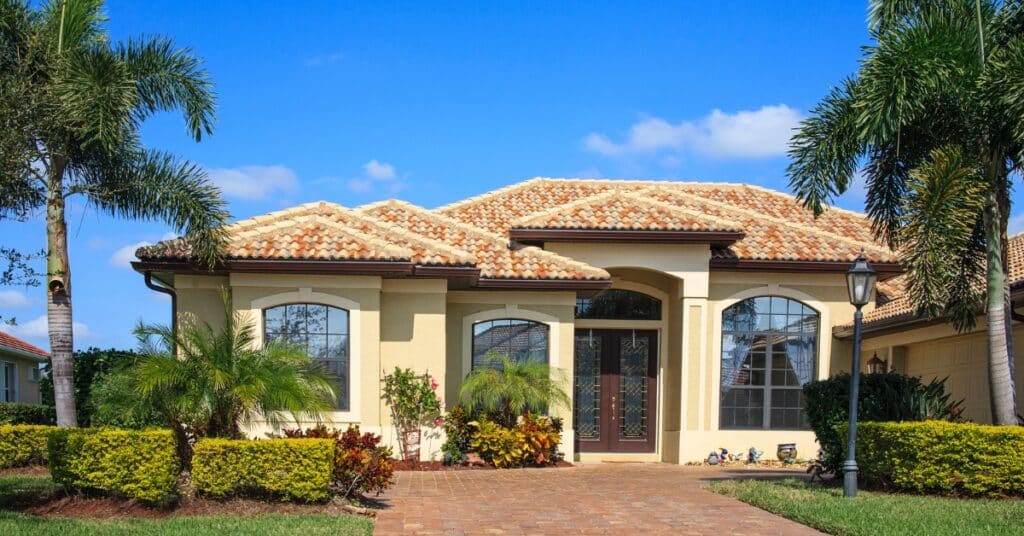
{"x": 85, "y": 507}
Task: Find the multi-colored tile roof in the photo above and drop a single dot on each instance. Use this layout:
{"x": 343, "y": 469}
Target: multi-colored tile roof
{"x": 13, "y": 344}
{"x": 742, "y": 223}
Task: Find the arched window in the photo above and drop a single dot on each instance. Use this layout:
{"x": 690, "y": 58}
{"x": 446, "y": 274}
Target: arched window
{"x": 519, "y": 339}
{"x": 769, "y": 351}
{"x": 619, "y": 304}
{"x": 322, "y": 330}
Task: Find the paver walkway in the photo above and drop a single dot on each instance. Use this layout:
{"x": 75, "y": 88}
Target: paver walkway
{"x": 587, "y": 499}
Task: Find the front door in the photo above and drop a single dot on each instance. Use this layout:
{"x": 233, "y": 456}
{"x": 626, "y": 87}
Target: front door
{"x": 615, "y": 384}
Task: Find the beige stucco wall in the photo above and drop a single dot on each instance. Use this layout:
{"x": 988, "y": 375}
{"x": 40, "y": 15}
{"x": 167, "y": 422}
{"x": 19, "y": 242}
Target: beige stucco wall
{"x": 26, "y": 388}
{"x": 938, "y": 352}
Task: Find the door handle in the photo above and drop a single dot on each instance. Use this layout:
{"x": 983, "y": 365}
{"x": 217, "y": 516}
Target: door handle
{"x": 613, "y": 407}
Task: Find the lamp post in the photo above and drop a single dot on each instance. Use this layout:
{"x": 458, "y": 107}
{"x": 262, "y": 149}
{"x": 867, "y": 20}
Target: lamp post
{"x": 860, "y": 282}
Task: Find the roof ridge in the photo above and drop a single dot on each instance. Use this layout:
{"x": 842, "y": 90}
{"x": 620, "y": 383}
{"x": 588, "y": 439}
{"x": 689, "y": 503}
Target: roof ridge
{"x": 794, "y": 198}
{"x": 491, "y": 193}
{"x": 277, "y": 214}
{"x": 384, "y": 245}
{"x": 636, "y": 196}
{"x": 781, "y": 221}
{"x": 577, "y": 265}
{"x": 450, "y": 220}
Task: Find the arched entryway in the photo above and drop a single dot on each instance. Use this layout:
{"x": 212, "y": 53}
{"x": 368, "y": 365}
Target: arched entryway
{"x": 616, "y": 364}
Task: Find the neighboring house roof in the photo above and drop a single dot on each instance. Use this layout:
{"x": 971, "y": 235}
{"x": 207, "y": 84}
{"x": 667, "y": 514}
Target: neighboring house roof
{"x": 16, "y": 346}
{"x": 895, "y": 310}
{"x": 493, "y": 235}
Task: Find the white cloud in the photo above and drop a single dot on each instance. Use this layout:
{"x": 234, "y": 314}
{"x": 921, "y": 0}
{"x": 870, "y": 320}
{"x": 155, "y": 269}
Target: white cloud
{"x": 743, "y": 134}
{"x": 1016, "y": 224}
{"x": 379, "y": 170}
{"x": 37, "y": 328}
{"x": 123, "y": 257}
{"x": 12, "y": 299}
{"x": 254, "y": 182}
{"x": 376, "y": 173}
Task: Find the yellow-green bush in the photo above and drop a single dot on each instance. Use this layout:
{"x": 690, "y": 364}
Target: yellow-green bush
{"x": 291, "y": 469}
{"x": 942, "y": 457}
{"x": 140, "y": 464}
{"x": 23, "y": 444}
{"x": 533, "y": 441}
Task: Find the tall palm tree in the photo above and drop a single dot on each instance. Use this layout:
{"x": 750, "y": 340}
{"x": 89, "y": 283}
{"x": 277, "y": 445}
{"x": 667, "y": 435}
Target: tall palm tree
{"x": 205, "y": 381}
{"x": 934, "y": 119}
{"x": 71, "y": 104}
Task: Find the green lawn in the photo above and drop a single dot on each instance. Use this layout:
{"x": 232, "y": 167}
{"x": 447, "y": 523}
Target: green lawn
{"x": 824, "y": 508}
{"x": 20, "y": 491}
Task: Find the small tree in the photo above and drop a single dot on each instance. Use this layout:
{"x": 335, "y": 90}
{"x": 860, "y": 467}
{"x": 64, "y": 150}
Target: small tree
{"x": 414, "y": 403}
{"x": 507, "y": 388}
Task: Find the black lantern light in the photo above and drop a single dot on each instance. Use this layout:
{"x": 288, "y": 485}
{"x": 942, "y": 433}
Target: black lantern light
{"x": 860, "y": 281}
{"x": 876, "y": 365}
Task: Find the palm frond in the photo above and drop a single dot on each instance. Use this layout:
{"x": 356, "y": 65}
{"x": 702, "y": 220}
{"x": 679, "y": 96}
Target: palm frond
{"x": 72, "y": 24}
{"x": 169, "y": 79}
{"x": 945, "y": 201}
{"x": 152, "y": 185}
{"x": 825, "y": 150}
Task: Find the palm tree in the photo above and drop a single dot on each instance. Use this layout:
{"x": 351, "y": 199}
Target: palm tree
{"x": 933, "y": 119}
{"x": 508, "y": 388}
{"x": 205, "y": 382}
{"x": 71, "y": 103}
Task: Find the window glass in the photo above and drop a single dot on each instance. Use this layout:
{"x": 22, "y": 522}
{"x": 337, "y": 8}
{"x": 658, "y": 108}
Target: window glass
{"x": 322, "y": 331}
{"x": 769, "y": 351}
{"x": 518, "y": 339}
{"x": 619, "y": 304}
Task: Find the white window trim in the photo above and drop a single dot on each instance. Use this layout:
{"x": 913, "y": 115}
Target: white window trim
{"x": 509, "y": 311}
{"x": 824, "y": 343}
{"x": 306, "y": 295}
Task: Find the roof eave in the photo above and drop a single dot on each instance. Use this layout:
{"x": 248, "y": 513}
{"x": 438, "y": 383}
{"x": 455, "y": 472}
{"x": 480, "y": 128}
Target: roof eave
{"x": 884, "y": 269}
{"x": 578, "y": 285}
{"x": 537, "y": 236}
{"x": 18, "y": 352}
{"x": 281, "y": 265}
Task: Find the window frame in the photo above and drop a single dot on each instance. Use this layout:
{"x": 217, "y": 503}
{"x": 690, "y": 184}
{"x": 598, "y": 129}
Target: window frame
{"x": 657, "y": 303}
{"x": 9, "y": 390}
{"x": 346, "y": 405}
{"x": 767, "y": 387}
{"x": 547, "y": 336}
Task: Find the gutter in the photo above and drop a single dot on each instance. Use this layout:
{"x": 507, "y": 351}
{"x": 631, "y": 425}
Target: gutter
{"x": 168, "y": 290}
{"x": 23, "y": 354}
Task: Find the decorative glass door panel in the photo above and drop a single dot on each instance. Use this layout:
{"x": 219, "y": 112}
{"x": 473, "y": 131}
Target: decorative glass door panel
{"x": 615, "y": 390}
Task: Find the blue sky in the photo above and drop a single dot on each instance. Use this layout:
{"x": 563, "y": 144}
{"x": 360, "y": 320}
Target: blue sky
{"x": 355, "y": 102}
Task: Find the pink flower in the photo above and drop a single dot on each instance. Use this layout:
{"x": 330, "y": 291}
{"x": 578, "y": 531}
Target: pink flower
{"x": 439, "y": 421}
{"x": 433, "y": 383}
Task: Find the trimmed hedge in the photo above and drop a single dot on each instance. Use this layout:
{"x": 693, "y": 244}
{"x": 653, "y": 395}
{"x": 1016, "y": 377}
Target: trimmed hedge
{"x": 942, "y": 457}
{"x": 291, "y": 469}
{"x": 24, "y": 444}
{"x": 19, "y": 413}
{"x": 140, "y": 464}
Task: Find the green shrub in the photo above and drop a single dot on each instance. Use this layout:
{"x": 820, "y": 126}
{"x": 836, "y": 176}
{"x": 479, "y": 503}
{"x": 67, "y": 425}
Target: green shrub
{"x": 883, "y": 397}
{"x": 942, "y": 457}
{"x": 24, "y": 444}
{"x": 290, "y": 469}
{"x": 18, "y": 413}
{"x": 458, "y": 434}
{"x": 139, "y": 464}
{"x": 361, "y": 465}
{"x": 533, "y": 441}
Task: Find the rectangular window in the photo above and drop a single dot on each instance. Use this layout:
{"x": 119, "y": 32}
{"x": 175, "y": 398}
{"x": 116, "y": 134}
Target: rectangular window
{"x": 9, "y": 389}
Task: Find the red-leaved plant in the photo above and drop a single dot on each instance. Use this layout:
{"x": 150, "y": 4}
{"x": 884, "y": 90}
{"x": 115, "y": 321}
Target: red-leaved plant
{"x": 361, "y": 465}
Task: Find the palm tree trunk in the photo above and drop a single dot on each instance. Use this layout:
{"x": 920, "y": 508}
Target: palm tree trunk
{"x": 1001, "y": 388}
{"x": 58, "y": 303}
{"x": 1004, "y": 211}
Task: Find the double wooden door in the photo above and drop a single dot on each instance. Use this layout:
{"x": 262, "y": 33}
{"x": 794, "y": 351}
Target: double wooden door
{"x": 615, "y": 390}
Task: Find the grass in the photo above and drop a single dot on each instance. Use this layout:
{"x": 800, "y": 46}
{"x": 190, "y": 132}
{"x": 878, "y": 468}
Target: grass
{"x": 21, "y": 491}
{"x": 823, "y": 507}
{"x": 15, "y": 523}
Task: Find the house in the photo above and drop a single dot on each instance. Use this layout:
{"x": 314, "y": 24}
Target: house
{"x": 686, "y": 316}
{"x": 19, "y": 369}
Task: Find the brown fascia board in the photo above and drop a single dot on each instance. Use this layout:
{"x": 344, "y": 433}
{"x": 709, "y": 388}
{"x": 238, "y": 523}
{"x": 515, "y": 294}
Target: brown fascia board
{"x": 292, "y": 266}
{"x": 885, "y": 269}
{"x": 539, "y": 236}
{"x": 579, "y": 285}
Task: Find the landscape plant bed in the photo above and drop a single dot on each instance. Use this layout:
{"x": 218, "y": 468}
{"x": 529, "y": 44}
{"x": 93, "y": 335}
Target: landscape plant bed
{"x": 403, "y": 465}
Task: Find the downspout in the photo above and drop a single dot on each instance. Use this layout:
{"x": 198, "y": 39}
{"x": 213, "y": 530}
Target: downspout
{"x": 174, "y": 301}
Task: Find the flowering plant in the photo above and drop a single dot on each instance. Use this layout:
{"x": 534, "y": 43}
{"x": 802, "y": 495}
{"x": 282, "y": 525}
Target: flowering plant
{"x": 414, "y": 403}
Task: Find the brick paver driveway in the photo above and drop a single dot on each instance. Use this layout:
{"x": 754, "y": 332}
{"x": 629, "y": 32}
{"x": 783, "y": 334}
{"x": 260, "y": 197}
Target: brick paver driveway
{"x": 587, "y": 499}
